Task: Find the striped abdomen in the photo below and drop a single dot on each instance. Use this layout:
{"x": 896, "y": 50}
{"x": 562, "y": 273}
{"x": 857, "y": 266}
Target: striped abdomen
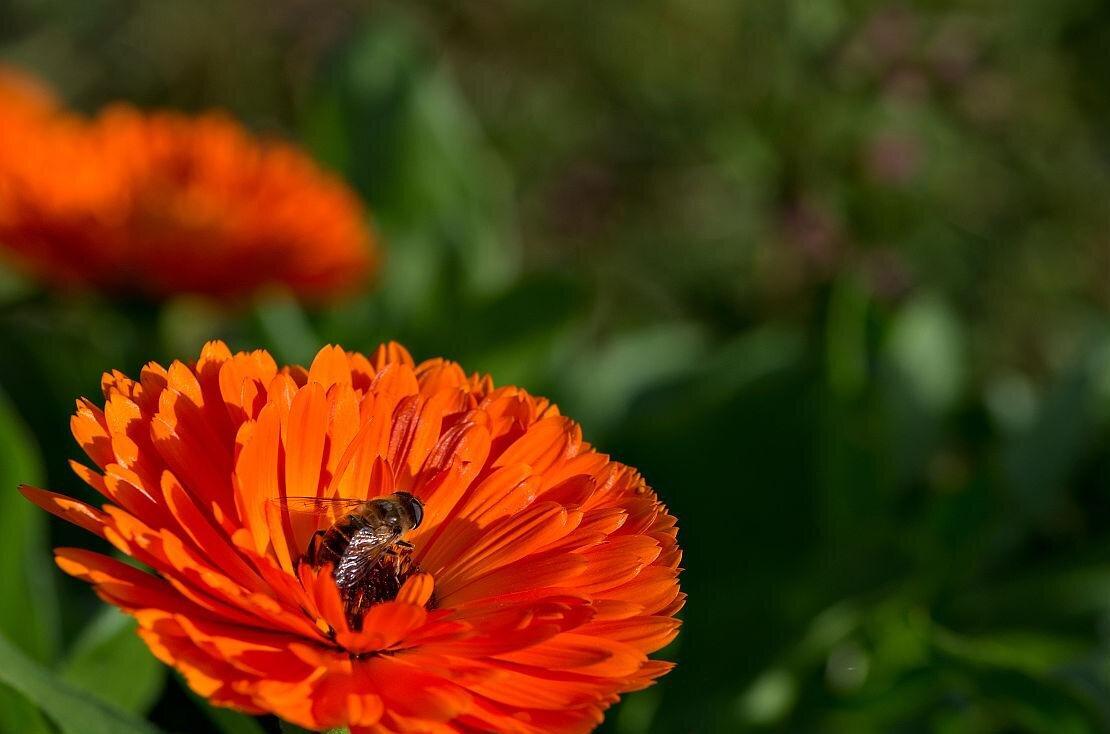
{"x": 331, "y": 546}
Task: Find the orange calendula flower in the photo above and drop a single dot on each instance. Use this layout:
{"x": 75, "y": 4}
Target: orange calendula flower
{"x": 162, "y": 203}
{"x": 522, "y": 588}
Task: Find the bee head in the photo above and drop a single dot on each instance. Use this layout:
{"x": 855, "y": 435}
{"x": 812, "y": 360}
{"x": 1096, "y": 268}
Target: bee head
{"x": 412, "y": 507}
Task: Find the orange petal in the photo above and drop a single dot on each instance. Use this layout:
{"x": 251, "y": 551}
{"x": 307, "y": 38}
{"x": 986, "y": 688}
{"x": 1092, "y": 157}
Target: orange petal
{"x": 90, "y": 430}
{"x": 550, "y": 571}
{"x": 243, "y": 380}
{"x": 190, "y": 449}
{"x": 501, "y": 544}
{"x": 588, "y": 655}
{"x": 417, "y": 589}
{"x": 383, "y": 626}
{"x": 126, "y": 586}
{"x": 205, "y": 536}
{"x": 304, "y": 437}
{"x": 67, "y": 508}
{"x": 546, "y": 443}
{"x": 256, "y": 476}
{"x": 330, "y": 367}
{"x": 344, "y": 422}
{"x": 360, "y": 463}
{"x": 645, "y": 633}
{"x": 390, "y": 353}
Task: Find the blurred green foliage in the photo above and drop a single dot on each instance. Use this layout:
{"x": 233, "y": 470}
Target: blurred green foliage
{"x": 834, "y": 274}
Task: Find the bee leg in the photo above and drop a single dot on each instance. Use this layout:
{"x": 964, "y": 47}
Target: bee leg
{"x": 398, "y": 548}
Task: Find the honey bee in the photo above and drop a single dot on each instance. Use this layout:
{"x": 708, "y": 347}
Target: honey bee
{"x": 364, "y": 545}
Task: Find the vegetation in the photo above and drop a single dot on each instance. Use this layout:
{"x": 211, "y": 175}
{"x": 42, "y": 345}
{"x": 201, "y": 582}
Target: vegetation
{"x": 833, "y": 274}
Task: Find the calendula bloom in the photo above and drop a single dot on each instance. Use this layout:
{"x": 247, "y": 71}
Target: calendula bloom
{"x": 539, "y": 580}
{"x": 162, "y": 203}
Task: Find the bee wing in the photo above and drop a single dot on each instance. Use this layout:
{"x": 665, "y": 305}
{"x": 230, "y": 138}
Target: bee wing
{"x": 366, "y": 547}
{"x": 327, "y": 506}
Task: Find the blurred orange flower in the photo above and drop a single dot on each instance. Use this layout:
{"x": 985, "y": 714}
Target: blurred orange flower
{"x": 161, "y": 203}
{"x": 541, "y": 576}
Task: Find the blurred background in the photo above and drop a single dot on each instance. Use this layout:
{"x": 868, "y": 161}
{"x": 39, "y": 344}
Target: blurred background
{"x": 834, "y": 274}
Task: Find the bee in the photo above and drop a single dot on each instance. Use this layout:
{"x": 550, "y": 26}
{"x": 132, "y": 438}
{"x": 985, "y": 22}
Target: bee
{"x": 364, "y": 545}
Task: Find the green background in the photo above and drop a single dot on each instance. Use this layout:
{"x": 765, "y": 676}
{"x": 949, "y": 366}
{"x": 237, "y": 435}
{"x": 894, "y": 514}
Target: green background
{"x": 833, "y": 274}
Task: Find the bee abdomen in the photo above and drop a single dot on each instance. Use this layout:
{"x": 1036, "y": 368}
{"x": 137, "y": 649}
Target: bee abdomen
{"x": 334, "y": 542}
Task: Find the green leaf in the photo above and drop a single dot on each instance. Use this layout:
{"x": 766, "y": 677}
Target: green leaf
{"x": 73, "y": 710}
{"x": 515, "y": 334}
{"x": 1031, "y": 703}
{"x": 394, "y": 123}
{"x": 17, "y": 714}
{"x": 602, "y": 382}
{"x": 226, "y": 721}
{"x": 25, "y": 568}
{"x": 1039, "y": 460}
{"x": 1034, "y": 653}
{"x": 637, "y": 711}
{"x": 111, "y": 662}
{"x": 26, "y": 571}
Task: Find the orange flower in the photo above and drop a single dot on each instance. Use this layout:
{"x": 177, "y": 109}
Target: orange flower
{"x": 541, "y": 576}
{"x": 163, "y": 203}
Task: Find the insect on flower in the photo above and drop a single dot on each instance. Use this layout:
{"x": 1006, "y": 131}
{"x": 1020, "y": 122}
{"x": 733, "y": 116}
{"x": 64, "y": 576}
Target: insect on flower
{"x": 371, "y": 543}
{"x": 362, "y": 546}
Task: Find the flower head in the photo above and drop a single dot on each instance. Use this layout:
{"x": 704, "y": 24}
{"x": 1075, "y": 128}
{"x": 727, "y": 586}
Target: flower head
{"x": 162, "y": 203}
{"x": 526, "y": 594}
